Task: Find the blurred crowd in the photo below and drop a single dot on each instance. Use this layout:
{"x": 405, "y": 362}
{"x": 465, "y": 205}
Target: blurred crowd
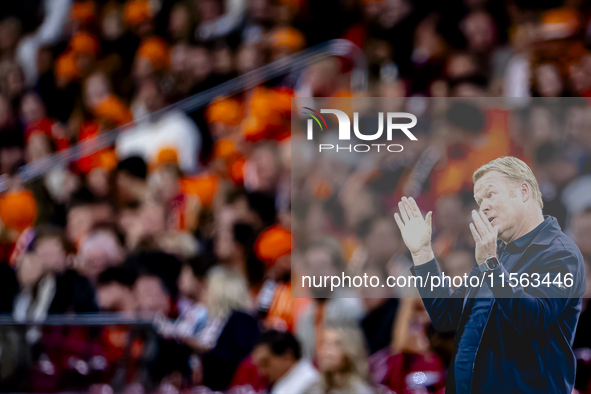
{"x": 187, "y": 221}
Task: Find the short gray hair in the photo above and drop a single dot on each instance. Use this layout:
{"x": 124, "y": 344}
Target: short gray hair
{"x": 514, "y": 169}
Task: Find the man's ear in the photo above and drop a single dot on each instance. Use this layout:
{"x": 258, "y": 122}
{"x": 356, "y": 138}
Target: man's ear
{"x": 525, "y": 191}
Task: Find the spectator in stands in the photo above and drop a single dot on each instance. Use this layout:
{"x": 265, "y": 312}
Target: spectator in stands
{"x": 181, "y": 244}
{"x": 50, "y": 286}
{"x": 108, "y": 111}
{"x": 231, "y": 332}
{"x": 98, "y": 251}
{"x": 36, "y": 121}
{"x": 278, "y": 358}
{"x": 343, "y": 363}
{"x": 48, "y": 33}
{"x": 114, "y": 290}
{"x": 165, "y": 185}
{"x": 171, "y": 130}
{"x": 412, "y": 352}
{"x": 263, "y": 169}
{"x": 154, "y": 297}
{"x": 28, "y": 272}
{"x": 57, "y": 287}
{"x": 83, "y": 212}
{"x": 157, "y": 264}
{"x": 274, "y": 247}
{"x": 192, "y": 310}
{"x": 152, "y": 294}
{"x": 130, "y": 181}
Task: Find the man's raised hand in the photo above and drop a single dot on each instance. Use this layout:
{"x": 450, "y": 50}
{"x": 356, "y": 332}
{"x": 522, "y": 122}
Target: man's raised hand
{"x": 485, "y": 237}
{"x": 416, "y": 231}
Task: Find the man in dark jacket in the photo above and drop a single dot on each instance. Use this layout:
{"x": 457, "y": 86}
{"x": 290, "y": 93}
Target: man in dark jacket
{"x": 516, "y": 313}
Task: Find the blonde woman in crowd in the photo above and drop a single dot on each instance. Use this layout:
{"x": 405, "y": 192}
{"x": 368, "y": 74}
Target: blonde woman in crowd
{"x": 231, "y": 332}
{"x": 343, "y": 363}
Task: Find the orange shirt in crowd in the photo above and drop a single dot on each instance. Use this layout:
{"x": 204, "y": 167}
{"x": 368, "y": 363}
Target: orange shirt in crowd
{"x": 285, "y": 311}
{"x": 113, "y": 111}
{"x": 269, "y": 114}
{"x": 204, "y": 186}
{"x": 104, "y": 158}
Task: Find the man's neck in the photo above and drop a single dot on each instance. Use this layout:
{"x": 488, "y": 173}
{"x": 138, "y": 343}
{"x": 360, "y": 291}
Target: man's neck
{"x": 527, "y": 225}
{"x": 287, "y": 373}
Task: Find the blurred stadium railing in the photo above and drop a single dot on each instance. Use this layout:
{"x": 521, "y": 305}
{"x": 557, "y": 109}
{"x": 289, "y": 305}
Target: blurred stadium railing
{"x": 75, "y": 350}
{"x": 290, "y": 64}
{"x": 80, "y": 319}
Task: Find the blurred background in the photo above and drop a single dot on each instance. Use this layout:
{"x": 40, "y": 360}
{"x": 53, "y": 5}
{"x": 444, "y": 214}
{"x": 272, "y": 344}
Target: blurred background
{"x": 151, "y": 183}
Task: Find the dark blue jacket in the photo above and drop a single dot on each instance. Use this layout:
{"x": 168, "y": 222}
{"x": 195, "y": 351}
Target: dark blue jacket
{"x": 235, "y": 342}
{"x": 526, "y": 344}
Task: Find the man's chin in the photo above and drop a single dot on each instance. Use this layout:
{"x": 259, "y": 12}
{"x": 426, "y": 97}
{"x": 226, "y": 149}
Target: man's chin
{"x": 504, "y": 235}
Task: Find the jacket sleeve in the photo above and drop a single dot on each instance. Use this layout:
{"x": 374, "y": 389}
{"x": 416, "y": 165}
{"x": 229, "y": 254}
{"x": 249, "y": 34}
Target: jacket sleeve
{"x": 537, "y": 306}
{"x": 443, "y": 305}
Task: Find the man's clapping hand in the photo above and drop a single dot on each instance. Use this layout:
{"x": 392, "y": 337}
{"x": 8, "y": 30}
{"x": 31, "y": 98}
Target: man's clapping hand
{"x": 485, "y": 237}
{"x": 416, "y": 230}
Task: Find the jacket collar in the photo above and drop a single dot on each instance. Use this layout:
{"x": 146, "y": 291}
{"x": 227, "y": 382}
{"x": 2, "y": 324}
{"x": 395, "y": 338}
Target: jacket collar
{"x": 544, "y": 234}
{"x": 524, "y": 241}
{"x": 548, "y": 232}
